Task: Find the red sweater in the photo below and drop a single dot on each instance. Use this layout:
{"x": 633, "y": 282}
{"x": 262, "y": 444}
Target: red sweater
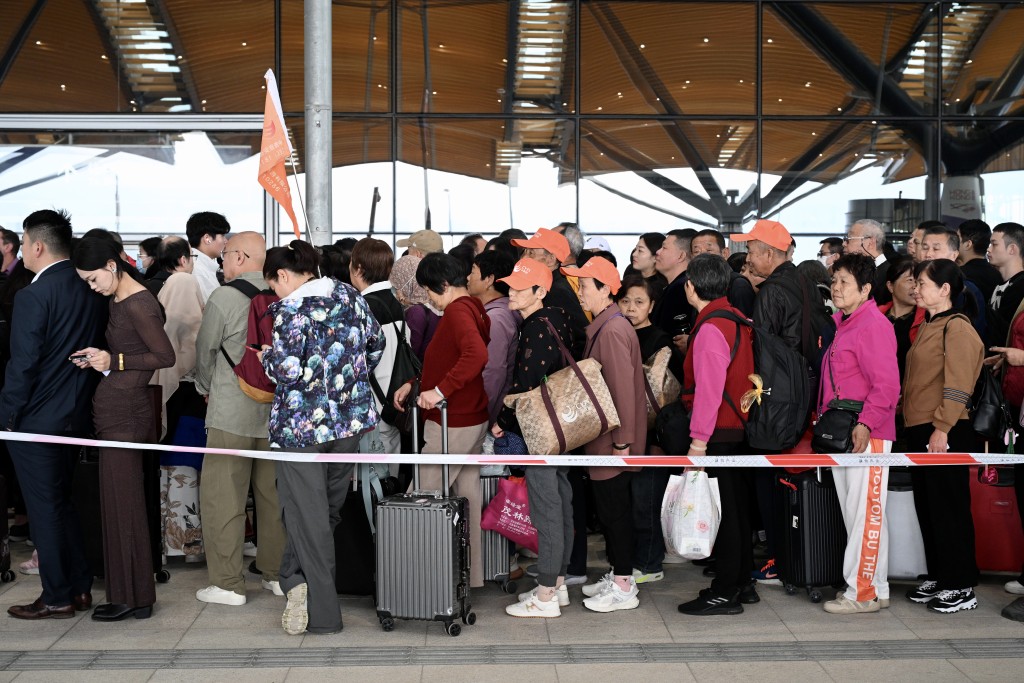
{"x": 455, "y": 360}
{"x": 728, "y": 427}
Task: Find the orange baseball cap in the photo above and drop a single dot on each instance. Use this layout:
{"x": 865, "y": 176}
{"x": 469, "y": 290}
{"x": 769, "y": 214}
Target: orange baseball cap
{"x": 771, "y": 233}
{"x": 599, "y": 268}
{"x": 547, "y": 239}
{"x": 528, "y": 273}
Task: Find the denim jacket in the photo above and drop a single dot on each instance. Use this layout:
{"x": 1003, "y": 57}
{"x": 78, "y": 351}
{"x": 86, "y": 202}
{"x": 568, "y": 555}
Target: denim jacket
{"x": 326, "y": 342}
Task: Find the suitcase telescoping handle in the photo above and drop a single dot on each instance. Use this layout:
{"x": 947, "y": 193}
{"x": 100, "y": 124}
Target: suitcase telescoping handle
{"x": 443, "y": 406}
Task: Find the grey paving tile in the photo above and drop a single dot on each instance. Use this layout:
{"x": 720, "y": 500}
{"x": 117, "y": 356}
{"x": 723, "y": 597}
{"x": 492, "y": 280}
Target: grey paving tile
{"x": 474, "y": 674}
{"x": 89, "y": 676}
{"x": 579, "y": 625}
{"x": 591, "y": 673}
{"x": 219, "y": 675}
{"x": 245, "y": 638}
{"x": 7, "y": 676}
{"x": 121, "y": 639}
{"x": 990, "y": 670}
{"x": 939, "y": 626}
{"x": 905, "y": 671}
{"x": 363, "y": 674}
{"x": 29, "y": 640}
{"x": 758, "y": 672}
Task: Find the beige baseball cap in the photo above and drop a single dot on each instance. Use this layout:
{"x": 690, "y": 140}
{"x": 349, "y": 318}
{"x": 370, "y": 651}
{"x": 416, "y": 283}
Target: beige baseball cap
{"x": 425, "y": 240}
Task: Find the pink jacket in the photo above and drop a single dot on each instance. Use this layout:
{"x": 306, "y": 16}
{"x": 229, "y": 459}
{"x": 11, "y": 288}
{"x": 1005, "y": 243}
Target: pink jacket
{"x": 862, "y": 359}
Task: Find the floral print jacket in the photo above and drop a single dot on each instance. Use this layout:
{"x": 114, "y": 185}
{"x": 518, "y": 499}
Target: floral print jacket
{"x": 326, "y": 343}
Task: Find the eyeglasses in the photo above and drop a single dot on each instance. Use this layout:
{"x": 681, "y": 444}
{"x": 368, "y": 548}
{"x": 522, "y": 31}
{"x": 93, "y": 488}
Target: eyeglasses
{"x": 233, "y": 251}
{"x": 854, "y": 237}
{"x": 822, "y": 254}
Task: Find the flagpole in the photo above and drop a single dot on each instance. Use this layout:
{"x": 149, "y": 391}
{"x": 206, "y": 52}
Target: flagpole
{"x": 302, "y": 205}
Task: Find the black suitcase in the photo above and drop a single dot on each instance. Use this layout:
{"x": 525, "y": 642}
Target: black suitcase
{"x": 423, "y": 552}
{"x": 813, "y": 533}
{"x": 85, "y": 495}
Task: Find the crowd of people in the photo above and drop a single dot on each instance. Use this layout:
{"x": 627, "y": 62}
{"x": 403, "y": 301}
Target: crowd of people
{"x": 156, "y": 350}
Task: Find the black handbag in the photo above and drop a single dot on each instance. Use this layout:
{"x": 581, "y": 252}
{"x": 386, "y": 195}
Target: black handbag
{"x": 989, "y": 415}
{"x": 833, "y": 432}
{"x": 672, "y": 426}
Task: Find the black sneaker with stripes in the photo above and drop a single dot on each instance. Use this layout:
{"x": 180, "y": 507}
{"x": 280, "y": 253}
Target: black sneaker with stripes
{"x": 708, "y": 603}
{"x": 950, "y": 601}
{"x": 924, "y": 593}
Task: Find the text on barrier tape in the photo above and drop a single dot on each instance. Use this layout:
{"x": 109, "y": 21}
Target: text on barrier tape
{"x": 753, "y": 460}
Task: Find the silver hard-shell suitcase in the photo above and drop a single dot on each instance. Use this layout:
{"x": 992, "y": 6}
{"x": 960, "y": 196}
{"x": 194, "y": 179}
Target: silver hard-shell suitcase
{"x": 493, "y": 546}
{"x": 423, "y": 552}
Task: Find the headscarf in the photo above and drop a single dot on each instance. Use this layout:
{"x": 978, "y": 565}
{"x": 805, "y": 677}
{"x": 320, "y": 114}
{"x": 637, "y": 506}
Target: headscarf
{"x": 403, "y": 279}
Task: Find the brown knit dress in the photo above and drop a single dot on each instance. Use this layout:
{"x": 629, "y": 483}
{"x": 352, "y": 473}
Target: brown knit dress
{"x": 123, "y": 411}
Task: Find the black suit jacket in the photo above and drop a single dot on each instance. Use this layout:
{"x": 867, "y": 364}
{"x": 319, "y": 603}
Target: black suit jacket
{"x": 879, "y": 290}
{"x": 53, "y": 317}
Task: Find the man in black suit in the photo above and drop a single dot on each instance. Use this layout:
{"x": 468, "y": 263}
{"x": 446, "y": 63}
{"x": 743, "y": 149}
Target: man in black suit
{"x": 45, "y": 393}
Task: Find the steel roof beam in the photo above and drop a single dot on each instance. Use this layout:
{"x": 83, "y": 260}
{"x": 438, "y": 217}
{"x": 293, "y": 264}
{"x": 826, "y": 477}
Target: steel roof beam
{"x": 19, "y": 38}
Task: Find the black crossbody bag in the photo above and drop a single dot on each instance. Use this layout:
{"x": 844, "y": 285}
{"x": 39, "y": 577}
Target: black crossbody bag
{"x": 833, "y": 432}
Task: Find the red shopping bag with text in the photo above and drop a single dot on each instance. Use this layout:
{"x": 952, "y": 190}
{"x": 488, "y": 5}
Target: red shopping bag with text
{"x": 509, "y": 513}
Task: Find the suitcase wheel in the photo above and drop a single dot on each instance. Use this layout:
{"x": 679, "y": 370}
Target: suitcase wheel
{"x": 814, "y": 594}
{"x": 163, "y": 576}
{"x": 453, "y": 629}
{"x": 6, "y": 576}
{"x": 388, "y": 624}
{"x": 469, "y": 619}
{"x": 509, "y": 587}
{"x": 790, "y": 589}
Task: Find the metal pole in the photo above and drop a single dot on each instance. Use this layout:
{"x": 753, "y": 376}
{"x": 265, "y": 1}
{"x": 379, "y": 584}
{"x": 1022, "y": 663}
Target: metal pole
{"x": 318, "y": 119}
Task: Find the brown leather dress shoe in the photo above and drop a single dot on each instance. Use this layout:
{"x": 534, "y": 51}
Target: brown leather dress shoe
{"x": 40, "y": 610}
{"x": 82, "y": 602}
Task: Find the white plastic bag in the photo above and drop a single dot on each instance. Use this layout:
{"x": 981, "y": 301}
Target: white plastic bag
{"x": 691, "y": 512}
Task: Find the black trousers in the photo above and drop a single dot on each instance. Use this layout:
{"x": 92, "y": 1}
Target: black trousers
{"x": 942, "y": 499}
{"x": 734, "y": 546}
{"x": 613, "y": 499}
{"x": 1018, "y": 486}
{"x": 578, "y": 556}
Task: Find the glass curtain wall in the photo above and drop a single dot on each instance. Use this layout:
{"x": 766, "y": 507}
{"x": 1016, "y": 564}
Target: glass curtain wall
{"x": 480, "y": 115}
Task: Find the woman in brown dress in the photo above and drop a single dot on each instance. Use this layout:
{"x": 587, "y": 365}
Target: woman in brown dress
{"x": 123, "y": 411}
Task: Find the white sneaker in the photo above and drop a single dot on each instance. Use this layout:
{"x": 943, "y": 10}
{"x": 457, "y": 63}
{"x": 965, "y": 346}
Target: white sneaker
{"x": 592, "y": 589}
{"x": 296, "y": 613}
{"x": 650, "y": 577}
{"x": 575, "y": 579}
{"x": 273, "y": 586}
{"x": 534, "y": 607}
{"x": 219, "y": 596}
{"x": 562, "y": 594}
{"x": 248, "y": 549}
{"x": 614, "y": 598}
{"x": 1014, "y": 587}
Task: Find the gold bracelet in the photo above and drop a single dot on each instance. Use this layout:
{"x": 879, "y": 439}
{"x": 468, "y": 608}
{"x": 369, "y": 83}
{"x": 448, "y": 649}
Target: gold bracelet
{"x": 120, "y": 361}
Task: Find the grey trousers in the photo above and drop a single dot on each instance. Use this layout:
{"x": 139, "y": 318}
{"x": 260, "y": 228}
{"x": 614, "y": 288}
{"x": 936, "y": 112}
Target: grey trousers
{"x": 550, "y": 495}
{"x": 311, "y": 495}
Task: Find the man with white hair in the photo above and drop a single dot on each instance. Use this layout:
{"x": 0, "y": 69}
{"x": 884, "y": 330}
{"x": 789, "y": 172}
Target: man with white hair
{"x": 867, "y": 236}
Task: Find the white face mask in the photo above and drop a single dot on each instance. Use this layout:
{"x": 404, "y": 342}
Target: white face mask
{"x": 824, "y": 260}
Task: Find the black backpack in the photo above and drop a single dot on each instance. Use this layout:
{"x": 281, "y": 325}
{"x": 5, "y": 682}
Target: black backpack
{"x": 778, "y": 416}
{"x": 988, "y": 412}
{"x": 406, "y": 367}
{"x": 818, "y": 328}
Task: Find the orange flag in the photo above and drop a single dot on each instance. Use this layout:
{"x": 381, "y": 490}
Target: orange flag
{"x": 274, "y": 149}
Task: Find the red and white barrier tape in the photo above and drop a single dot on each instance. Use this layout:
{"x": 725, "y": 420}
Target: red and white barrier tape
{"x": 793, "y": 460}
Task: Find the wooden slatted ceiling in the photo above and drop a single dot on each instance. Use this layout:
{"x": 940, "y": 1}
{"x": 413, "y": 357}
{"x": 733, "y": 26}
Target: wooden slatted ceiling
{"x": 13, "y": 14}
{"x": 468, "y": 71}
{"x": 996, "y": 49}
{"x": 70, "y": 54}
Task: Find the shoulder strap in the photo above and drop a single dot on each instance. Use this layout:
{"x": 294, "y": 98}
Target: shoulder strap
{"x": 251, "y": 291}
{"x": 245, "y": 287}
{"x": 593, "y": 340}
{"x": 945, "y": 328}
{"x": 369, "y": 481}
